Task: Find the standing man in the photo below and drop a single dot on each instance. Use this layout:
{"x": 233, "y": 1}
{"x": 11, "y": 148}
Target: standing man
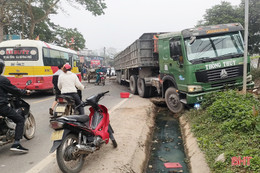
{"x": 109, "y": 72}
{"x": 6, "y": 111}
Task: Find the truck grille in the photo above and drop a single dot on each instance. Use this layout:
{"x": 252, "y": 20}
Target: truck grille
{"x": 219, "y": 74}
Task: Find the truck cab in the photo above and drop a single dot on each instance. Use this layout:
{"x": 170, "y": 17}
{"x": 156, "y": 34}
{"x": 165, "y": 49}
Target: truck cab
{"x": 197, "y": 61}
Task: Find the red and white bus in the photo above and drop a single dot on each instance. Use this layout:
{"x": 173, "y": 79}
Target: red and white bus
{"x": 35, "y": 60}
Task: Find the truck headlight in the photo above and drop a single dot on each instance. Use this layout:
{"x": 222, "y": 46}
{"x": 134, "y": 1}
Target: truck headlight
{"x": 194, "y": 88}
{"x": 249, "y": 78}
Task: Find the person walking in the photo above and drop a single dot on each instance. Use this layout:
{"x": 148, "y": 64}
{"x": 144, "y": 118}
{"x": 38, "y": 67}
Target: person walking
{"x": 68, "y": 83}
{"x": 109, "y": 71}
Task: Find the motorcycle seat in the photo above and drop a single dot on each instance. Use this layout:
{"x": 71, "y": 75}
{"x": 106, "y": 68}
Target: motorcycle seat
{"x": 79, "y": 118}
{"x": 68, "y": 98}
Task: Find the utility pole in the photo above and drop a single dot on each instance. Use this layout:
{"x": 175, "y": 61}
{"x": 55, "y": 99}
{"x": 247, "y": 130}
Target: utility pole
{"x": 105, "y": 56}
{"x": 245, "y": 47}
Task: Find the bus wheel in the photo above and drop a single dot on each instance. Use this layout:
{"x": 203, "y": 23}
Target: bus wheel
{"x": 143, "y": 90}
{"x": 133, "y": 84}
{"x": 173, "y": 100}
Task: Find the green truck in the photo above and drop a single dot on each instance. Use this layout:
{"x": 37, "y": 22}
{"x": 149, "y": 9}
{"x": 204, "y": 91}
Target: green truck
{"x": 184, "y": 66}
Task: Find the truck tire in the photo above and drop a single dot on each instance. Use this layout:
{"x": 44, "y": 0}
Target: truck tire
{"x": 143, "y": 90}
{"x": 173, "y": 100}
{"x": 133, "y": 84}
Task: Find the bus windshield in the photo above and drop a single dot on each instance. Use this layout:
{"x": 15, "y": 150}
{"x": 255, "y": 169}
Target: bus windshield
{"x": 215, "y": 47}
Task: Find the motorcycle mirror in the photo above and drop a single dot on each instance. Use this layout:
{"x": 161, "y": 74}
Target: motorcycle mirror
{"x": 28, "y": 82}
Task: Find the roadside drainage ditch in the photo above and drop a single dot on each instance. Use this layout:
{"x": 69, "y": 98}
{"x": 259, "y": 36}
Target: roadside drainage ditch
{"x": 167, "y": 150}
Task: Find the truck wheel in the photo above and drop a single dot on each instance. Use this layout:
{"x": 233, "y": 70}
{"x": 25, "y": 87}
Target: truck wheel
{"x": 173, "y": 100}
{"x": 143, "y": 90}
{"x": 133, "y": 86}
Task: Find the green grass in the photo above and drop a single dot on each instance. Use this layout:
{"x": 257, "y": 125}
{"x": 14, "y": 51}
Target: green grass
{"x": 228, "y": 123}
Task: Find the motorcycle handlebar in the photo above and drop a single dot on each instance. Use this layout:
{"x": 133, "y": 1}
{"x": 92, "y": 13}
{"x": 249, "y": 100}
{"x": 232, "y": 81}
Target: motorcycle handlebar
{"x": 105, "y": 92}
{"x": 98, "y": 97}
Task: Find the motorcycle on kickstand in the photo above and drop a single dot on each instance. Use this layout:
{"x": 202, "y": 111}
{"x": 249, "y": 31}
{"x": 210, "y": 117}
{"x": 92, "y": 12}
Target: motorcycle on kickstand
{"x": 76, "y": 136}
{"x": 7, "y": 126}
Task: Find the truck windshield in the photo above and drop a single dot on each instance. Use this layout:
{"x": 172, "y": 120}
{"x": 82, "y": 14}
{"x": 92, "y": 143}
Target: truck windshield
{"x": 213, "y": 48}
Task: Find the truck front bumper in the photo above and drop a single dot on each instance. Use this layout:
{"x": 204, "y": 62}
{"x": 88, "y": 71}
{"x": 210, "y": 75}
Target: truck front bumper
{"x": 192, "y": 98}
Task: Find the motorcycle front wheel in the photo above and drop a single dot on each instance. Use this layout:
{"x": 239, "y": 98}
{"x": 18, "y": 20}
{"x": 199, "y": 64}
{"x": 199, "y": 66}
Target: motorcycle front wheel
{"x": 111, "y": 136}
{"x": 29, "y": 127}
{"x": 68, "y": 160}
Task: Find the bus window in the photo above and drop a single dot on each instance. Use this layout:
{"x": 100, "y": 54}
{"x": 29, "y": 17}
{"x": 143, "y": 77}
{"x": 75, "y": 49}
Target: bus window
{"x": 55, "y": 57}
{"x": 46, "y": 57}
{"x": 64, "y": 57}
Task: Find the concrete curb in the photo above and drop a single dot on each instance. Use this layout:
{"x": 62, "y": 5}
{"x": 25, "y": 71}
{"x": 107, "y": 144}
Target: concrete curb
{"x": 144, "y": 142}
{"x": 197, "y": 161}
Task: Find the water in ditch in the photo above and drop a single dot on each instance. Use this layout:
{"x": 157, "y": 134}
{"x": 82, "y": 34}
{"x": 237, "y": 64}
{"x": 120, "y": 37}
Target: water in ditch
{"x": 167, "y": 145}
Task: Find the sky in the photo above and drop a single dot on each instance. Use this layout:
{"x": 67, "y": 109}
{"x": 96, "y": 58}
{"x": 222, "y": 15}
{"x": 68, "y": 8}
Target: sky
{"x": 125, "y": 21}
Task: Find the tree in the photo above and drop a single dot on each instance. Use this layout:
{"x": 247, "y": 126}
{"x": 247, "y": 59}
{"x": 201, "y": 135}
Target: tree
{"x": 30, "y": 18}
{"x": 226, "y": 13}
{"x": 6, "y": 12}
{"x": 21, "y": 23}
{"x": 254, "y": 25}
{"x": 38, "y": 10}
{"x": 223, "y": 13}
{"x": 70, "y": 38}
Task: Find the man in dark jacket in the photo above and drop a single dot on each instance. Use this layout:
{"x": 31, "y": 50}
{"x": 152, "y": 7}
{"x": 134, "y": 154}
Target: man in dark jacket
{"x": 55, "y": 84}
{"x": 6, "y": 111}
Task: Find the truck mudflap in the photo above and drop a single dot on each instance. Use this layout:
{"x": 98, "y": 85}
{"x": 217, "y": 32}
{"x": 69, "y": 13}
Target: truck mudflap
{"x": 192, "y": 98}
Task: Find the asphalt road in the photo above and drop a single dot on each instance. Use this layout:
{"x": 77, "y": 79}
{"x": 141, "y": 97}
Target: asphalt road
{"x": 40, "y": 145}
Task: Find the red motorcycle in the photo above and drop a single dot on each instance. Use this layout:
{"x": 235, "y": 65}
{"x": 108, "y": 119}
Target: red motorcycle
{"x": 76, "y": 136}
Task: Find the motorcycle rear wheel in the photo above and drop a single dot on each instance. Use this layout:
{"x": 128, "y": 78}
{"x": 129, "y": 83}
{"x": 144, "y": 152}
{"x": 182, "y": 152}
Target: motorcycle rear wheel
{"x": 68, "y": 161}
{"x": 29, "y": 127}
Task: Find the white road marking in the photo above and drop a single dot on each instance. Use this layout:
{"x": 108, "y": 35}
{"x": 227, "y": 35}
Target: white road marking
{"x": 47, "y": 160}
{"x": 119, "y": 104}
{"x": 42, "y": 164}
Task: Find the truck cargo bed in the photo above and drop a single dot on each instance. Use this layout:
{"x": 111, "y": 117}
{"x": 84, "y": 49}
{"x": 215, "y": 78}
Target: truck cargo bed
{"x": 138, "y": 54}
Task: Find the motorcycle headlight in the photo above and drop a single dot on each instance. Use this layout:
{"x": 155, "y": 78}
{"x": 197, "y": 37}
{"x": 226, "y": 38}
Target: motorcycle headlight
{"x": 194, "y": 88}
